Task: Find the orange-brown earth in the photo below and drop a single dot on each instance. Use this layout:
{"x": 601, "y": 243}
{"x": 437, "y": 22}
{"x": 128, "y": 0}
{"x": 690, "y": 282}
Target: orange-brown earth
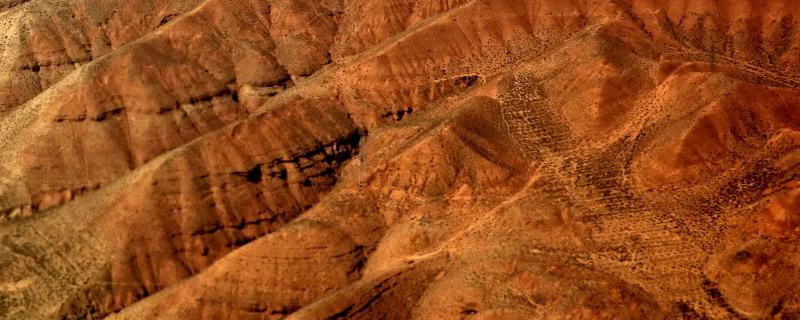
{"x": 397, "y": 159}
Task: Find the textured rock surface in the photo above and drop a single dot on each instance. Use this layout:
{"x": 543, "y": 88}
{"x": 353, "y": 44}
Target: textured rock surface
{"x": 397, "y": 159}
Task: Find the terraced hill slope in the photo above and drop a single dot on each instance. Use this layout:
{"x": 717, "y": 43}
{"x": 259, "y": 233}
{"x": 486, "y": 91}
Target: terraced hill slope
{"x": 398, "y": 159}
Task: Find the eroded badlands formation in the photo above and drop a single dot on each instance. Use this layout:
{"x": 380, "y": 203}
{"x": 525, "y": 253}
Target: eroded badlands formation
{"x": 398, "y": 159}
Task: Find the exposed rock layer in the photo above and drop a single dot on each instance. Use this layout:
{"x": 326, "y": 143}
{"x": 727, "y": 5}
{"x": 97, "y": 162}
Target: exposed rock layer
{"x": 247, "y": 159}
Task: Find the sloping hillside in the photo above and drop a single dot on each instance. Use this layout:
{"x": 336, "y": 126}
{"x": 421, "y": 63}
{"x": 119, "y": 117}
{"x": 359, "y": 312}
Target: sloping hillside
{"x": 397, "y": 159}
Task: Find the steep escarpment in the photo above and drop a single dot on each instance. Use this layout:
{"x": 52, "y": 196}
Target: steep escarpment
{"x": 238, "y": 159}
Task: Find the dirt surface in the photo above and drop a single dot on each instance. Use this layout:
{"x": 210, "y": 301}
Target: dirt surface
{"x": 398, "y": 159}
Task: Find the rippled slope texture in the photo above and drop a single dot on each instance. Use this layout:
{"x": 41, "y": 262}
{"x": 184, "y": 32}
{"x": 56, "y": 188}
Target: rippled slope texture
{"x": 398, "y": 159}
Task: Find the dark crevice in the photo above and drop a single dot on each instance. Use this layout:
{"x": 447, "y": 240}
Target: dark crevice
{"x": 397, "y": 115}
{"x": 712, "y": 291}
{"x": 686, "y": 310}
{"x": 465, "y": 82}
{"x": 282, "y": 174}
{"x": 166, "y": 19}
{"x": 469, "y": 312}
{"x": 37, "y": 67}
{"x": 239, "y": 226}
{"x": 98, "y": 118}
{"x": 341, "y": 314}
{"x": 335, "y": 154}
{"x": 449, "y": 87}
{"x": 741, "y": 256}
{"x": 777, "y": 308}
{"x": 162, "y": 110}
{"x": 331, "y": 155}
{"x": 382, "y": 289}
{"x": 254, "y": 175}
{"x": 358, "y": 267}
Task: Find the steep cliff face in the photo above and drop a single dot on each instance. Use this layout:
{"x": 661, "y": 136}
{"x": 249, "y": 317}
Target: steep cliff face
{"x": 249, "y": 159}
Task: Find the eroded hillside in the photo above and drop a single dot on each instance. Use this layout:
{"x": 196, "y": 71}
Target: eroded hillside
{"x": 393, "y": 159}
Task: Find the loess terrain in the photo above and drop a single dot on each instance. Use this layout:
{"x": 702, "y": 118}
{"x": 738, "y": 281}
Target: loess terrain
{"x": 399, "y": 159}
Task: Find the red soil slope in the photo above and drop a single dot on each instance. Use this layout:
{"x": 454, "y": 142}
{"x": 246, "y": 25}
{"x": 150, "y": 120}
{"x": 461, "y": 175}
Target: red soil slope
{"x": 397, "y": 159}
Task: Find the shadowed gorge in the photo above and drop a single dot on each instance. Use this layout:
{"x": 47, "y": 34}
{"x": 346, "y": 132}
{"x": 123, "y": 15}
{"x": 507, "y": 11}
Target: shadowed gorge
{"x": 397, "y": 159}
